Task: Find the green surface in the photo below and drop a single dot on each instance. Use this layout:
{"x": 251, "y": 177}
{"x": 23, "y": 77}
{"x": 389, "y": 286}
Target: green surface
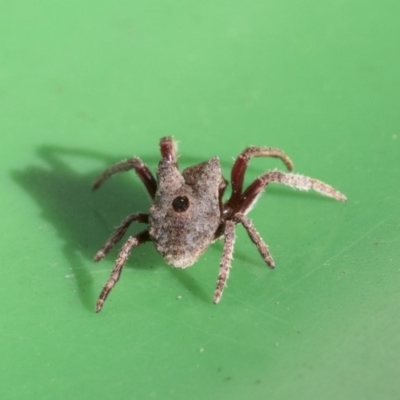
{"x": 83, "y": 84}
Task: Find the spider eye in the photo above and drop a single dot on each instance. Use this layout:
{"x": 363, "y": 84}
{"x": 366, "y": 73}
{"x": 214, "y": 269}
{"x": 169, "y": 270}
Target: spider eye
{"x": 180, "y": 203}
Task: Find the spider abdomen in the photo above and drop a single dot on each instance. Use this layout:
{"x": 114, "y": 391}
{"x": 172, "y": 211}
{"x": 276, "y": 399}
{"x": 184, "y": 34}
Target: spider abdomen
{"x": 182, "y": 230}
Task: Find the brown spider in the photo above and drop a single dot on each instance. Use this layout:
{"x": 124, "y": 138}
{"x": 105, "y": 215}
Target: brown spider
{"x": 188, "y": 213}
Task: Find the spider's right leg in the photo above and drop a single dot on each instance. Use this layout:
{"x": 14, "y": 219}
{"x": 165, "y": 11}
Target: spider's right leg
{"x": 119, "y": 233}
{"x": 226, "y": 260}
{"x": 296, "y": 181}
{"x": 239, "y": 169}
{"x": 132, "y": 242}
{"x": 256, "y": 239}
{"x": 140, "y": 168}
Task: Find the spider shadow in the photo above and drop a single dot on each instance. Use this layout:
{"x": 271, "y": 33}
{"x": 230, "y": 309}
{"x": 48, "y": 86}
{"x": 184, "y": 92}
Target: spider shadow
{"x": 84, "y": 219}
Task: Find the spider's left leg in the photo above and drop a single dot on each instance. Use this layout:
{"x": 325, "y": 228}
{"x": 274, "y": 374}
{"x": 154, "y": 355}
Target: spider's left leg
{"x": 140, "y": 168}
{"x": 119, "y": 233}
{"x": 296, "y": 181}
{"x": 256, "y": 239}
{"x": 226, "y": 260}
{"x": 123, "y": 255}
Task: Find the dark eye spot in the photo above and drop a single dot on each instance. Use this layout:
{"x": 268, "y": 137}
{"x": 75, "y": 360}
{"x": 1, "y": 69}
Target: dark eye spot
{"x": 180, "y": 203}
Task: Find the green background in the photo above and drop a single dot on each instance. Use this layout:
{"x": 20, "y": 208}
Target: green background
{"x": 84, "y": 84}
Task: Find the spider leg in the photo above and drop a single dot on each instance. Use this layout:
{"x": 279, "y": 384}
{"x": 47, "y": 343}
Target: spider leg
{"x": 119, "y": 233}
{"x": 168, "y": 149}
{"x": 226, "y": 260}
{"x": 140, "y": 168}
{"x": 250, "y": 195}
{"x": 221, "y": 191}
{"x": 256, "y": 239}
{"x": 240, "y": 165}
{"x": 132, "y": 242}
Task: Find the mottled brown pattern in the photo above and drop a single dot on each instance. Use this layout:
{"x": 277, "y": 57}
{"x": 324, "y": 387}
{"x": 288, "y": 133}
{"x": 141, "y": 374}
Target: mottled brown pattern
{"x": 188, "y": 212}
{"x": 181, "y": 237}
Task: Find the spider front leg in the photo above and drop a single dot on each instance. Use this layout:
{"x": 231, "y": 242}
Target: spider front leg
{"x": 119, "y": 233}
{"x": 296, "y": 181}
{"x": 140, "y": 168}
{"x": 226, "y": 260}
{"x": 123, "y": 255}
{"x": 240, "y": 166}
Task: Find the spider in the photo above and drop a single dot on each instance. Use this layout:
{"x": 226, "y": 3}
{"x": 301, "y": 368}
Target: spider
{"x": 188, "y": 214}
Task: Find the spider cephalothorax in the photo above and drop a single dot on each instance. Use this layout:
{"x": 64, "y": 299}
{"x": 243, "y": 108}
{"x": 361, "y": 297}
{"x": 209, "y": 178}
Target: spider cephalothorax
{"x": 188, "y": 214}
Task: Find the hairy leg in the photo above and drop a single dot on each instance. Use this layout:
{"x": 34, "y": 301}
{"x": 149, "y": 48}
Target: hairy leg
{"x": 119, "y": 233}
{"x": 140, "y": 168}
{"x": 240, "y": 165}
{"x": 168, "y": 149}
{"x": 256, "y": 239}
{"x": 226, "y": 260}
{"x": 132, "y": 242}
{"x": 221, "y": 191}
{"x": 295, "y": 181}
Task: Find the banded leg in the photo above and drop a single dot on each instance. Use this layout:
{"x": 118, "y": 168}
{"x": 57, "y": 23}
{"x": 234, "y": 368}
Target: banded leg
{"x": 241, "y": 163}
{"x": 256, "y": 239}
{"x": 168, "y": 149}
{"x": 119, "y": 233}
{"x": 226, "y": 260}
{"x": 295, "y": 181}
{"x": 140, "y": 168}
{"x": 132, "y": 242}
